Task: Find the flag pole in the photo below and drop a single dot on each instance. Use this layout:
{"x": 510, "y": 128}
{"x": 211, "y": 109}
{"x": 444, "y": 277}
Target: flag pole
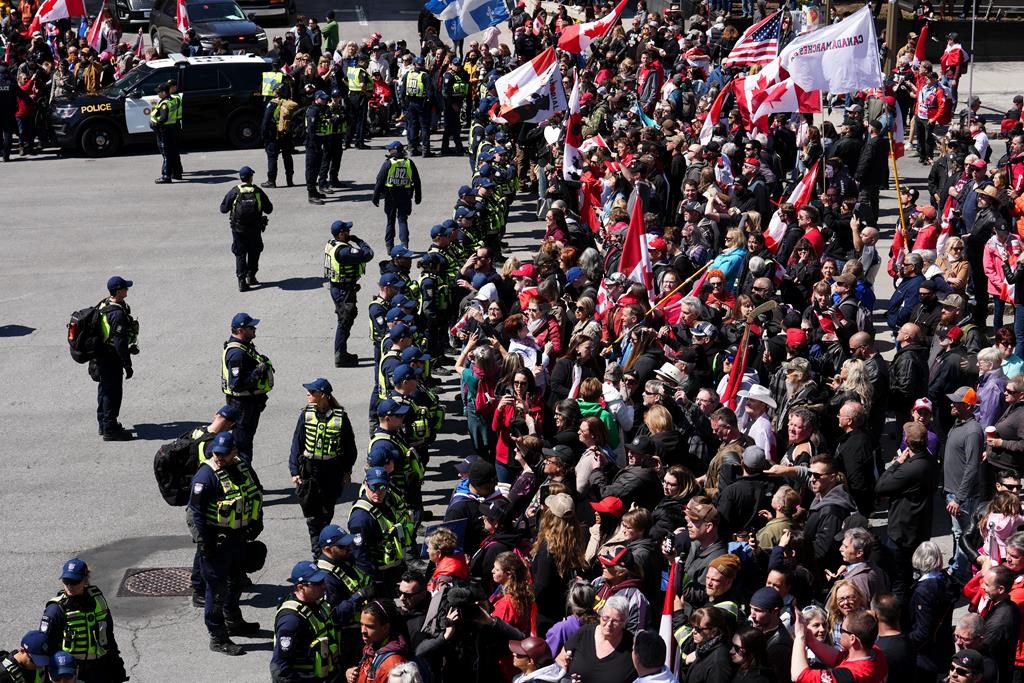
{"x": 896, "y": 177}
{"x": 667, "y": 297}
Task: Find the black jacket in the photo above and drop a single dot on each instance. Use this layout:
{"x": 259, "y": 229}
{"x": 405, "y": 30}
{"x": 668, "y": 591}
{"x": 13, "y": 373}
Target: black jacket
{"x": 668, "y": 516}
{"x": 635, "y": 484}
{"x": 931, "y": 627}
{"x": 873, "y": 165}
{"x": 908, "y": 377}
{"x": 739, "y": 502}
{"x": 910, "y": 489}
{"x": 713, "y": 666}
{"x": 1002, "y": 622}
{"x": 824, "y": 521}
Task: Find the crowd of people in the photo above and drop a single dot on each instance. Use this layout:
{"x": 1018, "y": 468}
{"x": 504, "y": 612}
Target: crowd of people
{"x": 710, "y": 439}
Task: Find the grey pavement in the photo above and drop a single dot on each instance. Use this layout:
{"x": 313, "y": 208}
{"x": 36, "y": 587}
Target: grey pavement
{"x": 69, "y": 223}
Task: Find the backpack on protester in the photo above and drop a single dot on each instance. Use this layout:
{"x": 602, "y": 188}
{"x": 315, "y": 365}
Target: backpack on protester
{"x": 174, "y": 466}
{"x": 85, "y": 334}
{"x": 246, "y": 208}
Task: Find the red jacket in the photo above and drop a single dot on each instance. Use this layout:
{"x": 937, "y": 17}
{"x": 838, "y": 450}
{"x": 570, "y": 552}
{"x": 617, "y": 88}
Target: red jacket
{"x": 376, "y": 664}
{"x": 501, "y": 423}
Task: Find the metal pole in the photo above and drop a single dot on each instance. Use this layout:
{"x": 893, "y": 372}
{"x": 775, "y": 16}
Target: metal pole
{"x": 970, "y": 77}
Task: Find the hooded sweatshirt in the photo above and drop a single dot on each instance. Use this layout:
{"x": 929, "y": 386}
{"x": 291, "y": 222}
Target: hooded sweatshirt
{"x": 594, "y": 409}
{"x": 825, "y": 520}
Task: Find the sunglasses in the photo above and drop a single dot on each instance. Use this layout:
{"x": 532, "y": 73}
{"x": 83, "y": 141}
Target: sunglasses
{"x": 71, "y": 582}
{"x": 958, "y": 670}
{"x": 817, "y": 475}
{"x": 1011, "y": 487}
{"x": 376, "y": 487}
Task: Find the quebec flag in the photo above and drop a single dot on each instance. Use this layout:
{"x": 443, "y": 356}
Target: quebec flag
{"x": 463, "y": 18}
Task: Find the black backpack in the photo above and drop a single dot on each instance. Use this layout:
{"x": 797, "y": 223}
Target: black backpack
{"x": 173, "y": 466}
{"x": 85, "y": 334}
{"x": 246, "y": 209}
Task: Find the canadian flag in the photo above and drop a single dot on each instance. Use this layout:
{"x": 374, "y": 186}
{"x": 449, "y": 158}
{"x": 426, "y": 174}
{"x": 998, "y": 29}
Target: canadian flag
{"x": 752, "y": 90}
{"x": 572, "y": 158}
{"x": 921, "y": 47}
{"x": 533, "y": 92}
{"x": 578, "y": 37}
{"x": 182, "y": 18}
{"x": 714, "y": 115}
{"x": 94, "y": 36}
{"x": 140, "y": 45}
{"x": 592, "y": 143}
{"x": 899, "y": 147}
{"x": 635, "y": 262}
{"x": 799, "y": 197}
{"x": 665, "y": 627}
{"x": 52, "y": 10}
{"x": 785, "y": 96}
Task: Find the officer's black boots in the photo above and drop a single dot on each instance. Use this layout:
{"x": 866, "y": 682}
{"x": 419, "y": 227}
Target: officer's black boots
{"x": 219, "y": 642}
{"x": 291, "y": 182}
{"x": 269, "y": 183}
{"x": 315, "y": 199}
{"x": 251, "y": 280}
{"x": 162, "y": 181}
{"x": 241, "y": 627}
{"x": 243, "y": 286}
{"x": 346, "y": 360}
{"x": 199, "y": 598}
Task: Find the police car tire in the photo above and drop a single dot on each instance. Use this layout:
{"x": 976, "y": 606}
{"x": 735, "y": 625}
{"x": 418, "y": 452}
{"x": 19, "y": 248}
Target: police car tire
{"x": 99, "y": 140}
{"x": 243, "y": 131}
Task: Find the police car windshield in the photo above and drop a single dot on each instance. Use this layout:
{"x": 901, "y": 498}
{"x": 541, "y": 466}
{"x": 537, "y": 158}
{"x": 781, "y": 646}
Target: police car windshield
{"x": 215, "y": 11}
{"x": 128, "y": 83}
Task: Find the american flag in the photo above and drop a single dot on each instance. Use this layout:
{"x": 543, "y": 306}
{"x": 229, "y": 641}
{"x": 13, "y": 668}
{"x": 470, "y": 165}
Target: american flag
{"x": 759, "y": 44}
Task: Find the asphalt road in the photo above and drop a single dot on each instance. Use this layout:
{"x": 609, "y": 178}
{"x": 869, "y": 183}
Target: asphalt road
{"x": 69, "y": 223}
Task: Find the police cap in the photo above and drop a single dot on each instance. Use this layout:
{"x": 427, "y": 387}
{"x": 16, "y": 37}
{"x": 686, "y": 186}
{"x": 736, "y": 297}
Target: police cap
{"x": 394, "y": 315}
{"x": 400, "y": 330}
{"x": 389, "y": 407}
{"x": 438, "y": 231}
{"x": 391, "y": 280}
{"x": 402, "y": 373}
{"x": 334, "y": 535}
{"x": 398, "y": 251}
{"x": 414, "y": 355}
{"x": 340, "y": 226}
{"x": 246, "y": 172}
{"x": 465, "y": 212}
{"x": 243, "y": 320}
{"x": 319, "y": 384}
{"x": 223, "y": 443}
{"x": 229, "y": 413}
{"x": 392, "y": 146}
{"x": 117, "y": 282}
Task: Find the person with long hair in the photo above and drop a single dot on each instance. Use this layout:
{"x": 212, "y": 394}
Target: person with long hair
{"x": 512, "y": 600}
{"x": 585, "y": 325}
{"x": 580, "y": 611}
{"x": 597, "y": 459}
{"x": 558, "y": 556}
{"x": 802, "y": 270}
{"x": 844, "y": 599}
{"x": 579, "y": 363}
{"x": 730, "y": 262}
{"x": 646, "y": 355}
{"x": 709, "y": 661}
{"x": 748, "y": 652}
{"x": 852, "y": 384}
{"x": 518, "y": 412}
{"x": 679, "y": 486}
{"x": 479, "y": 382}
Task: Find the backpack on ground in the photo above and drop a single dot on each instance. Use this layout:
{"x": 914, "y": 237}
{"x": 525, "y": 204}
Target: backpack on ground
{"x": 85, "y": 334}
{"x": 246, "y": 208}
{"x": 173, "y": 466}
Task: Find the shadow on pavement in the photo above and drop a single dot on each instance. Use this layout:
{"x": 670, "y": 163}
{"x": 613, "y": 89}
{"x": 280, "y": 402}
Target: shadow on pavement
{"x": 16, "y": 330}
{"x": 165, "y": 430}
{"x": 266, "y": 595}
{"x": 296, "y": 284}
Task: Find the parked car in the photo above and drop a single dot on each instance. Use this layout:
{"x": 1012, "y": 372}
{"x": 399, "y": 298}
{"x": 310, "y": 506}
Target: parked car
{"x": 211, "y": 19}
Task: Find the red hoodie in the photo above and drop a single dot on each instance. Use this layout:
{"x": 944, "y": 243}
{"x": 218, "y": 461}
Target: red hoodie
{"x": 454, "y": 565}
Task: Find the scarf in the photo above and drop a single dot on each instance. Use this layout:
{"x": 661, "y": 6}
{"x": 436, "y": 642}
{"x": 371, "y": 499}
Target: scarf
{"x": 538, "y": 325}
{"x": 705, "y": 648}
{"x": 607, "y": 590}
{"x": 484, "y": 391}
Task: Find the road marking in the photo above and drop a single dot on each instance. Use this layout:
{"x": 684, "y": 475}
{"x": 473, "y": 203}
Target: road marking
{"x": 361, "y": 15}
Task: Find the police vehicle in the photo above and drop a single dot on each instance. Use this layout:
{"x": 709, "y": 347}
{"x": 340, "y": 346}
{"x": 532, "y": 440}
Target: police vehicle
{"x": 220, "y": 99}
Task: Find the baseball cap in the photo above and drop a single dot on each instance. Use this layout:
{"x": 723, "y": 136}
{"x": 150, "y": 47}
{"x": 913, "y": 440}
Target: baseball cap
{"x": 535, "y": 648}
{"x": 525, "y": 270}
{"x": 610, "y": 505}
{"x": 928, "y": 211}
{"x": 398, "y": 251}
{"x": 464, "y": 190}
{"x": 229, "y": 413}
{"x": 307, "y": 572}
{"x": 37, "y": 646}
{"x": 117, "y": 282}
{"x": 560, "y": 505}
{"x": 223, "y": 443}
{"x": 465, "y": 211}
{"x": 796, "y": 337}
{"x": 970, "y": 660}
{"x": 402, "y": 373}
{"x": 854, "y": 521}
{"x": 964, "y": 395}
{"x": 462, "y": 466}
{"x": 979, "y": 163}
{"x": 379, "y": 457}
{"x": 494, "y": 510}
{"x": 63, "y": 664}
{"x": 338, "y": 226}
{"x": 243, "y": 320}
{"x": 400, "y": 330}
{"x": 485, "y": 169}
{"x": 846, "y": 279}
{"x": 246, "y": 172}
{"x": 319, "y": 384}
{"x": 74, "y": 570}
{"x": 617, "y": 556}
{"x": 797, "y": 365}
{"x": 754, "y": 459}
{"x": 389, "y": 407}
{"x": 924, "y": 404}
{"x": 414, "y": 354}
{"x": 483, "y": 182}
{"x": 953, "y": 301}
{"x": 333, "y": 534}
{"x": 573, "y": 274}
{"x": 766, "y": 598}
{"x": 392, "y": 146}
{"x": 439, "y": 231}
{"x": 394, "y": 314}
{"x": 560, "y": 452}
{"x": 954, "y": 334}
{"x": 641, "y": 444}
{"x": 703, "y": 329}
{"x": 658, "y": 243}
{"x": 616, "y": 278}
{"x": 482, "y": 472}
{"x": 319, "y": 94}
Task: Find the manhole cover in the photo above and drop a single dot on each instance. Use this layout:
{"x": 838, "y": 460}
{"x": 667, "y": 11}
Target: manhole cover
{"x": 156, "y": 582}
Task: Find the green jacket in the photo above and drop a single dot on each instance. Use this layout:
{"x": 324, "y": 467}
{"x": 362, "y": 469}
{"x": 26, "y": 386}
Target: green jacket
{"x": 330, "y": 34}
{"x": 588, "y": 409}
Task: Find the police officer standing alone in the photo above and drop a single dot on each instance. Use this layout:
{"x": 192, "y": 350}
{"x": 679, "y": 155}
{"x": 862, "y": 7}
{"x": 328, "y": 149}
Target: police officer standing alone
{"x": 318, "y": 132}
{"x": 246, "y": 205}
{"x": 246, "y": 378}
{"x": 360, "y": 85}
{"x": 78, "y": 621}
{"x": 322, "y": 455}
{"x": 345, "y": 259}
{"x": 163, "y": 122}
{"x": 454, "y": 88}
{"x": 114, "y": 357}
{"x": 414, "y": 90}
{"x": 305, "y": 637}
{"x": 225, "y": 510}
{"x": 330, "y": 167}
{"x": 277, "y": 135}
{"x": 398, "y": 182}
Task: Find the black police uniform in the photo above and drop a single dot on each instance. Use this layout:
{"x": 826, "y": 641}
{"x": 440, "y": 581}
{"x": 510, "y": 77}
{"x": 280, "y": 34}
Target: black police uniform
{"x": 318, "y": 128}
{"x": 296, "y": 643}
{"x": 246, "y": 232}
{"x": 113, "y": 362}
{"x": 331, "y": 165}
{"x": 166, "y": 140}
{"x": 323, "y": 452}
{"x": 244, "y": 390}
{"x": 351, "y": 255}
{"x": 398, "y": 182}
{"x": 11, "y": 671}
{"x": 97, "y": 636}
{"x": 222, "y": 548}
{"x": 8, "y": 107}
{"x": 369, "y": 552}
{"x": 277, "y": 143}
{"x": 416, "y": 92}
{"x": 454, "y": 87}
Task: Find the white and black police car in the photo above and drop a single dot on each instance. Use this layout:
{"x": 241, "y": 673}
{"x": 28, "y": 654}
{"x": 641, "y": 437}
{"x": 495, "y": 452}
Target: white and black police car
{"x": 220, "y": 101}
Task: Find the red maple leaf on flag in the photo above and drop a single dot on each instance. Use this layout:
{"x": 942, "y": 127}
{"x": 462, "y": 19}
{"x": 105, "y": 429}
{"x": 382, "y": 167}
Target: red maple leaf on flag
{"x": 774, "y": 95}
{"x": 596, "y": 31}
{"x": 511, "y": 91}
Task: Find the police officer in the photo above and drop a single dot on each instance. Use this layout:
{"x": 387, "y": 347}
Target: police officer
{"x": 322, "y": 455}
{"x": 331, "y": 165}
{"x": 246, "y": 378}
{"x": 389, "y": 284}
{"x": 398, "y": 182}
{"x": 63, "y": 668}
{"x": 272, "y": 80}
{"x": 161, "y": 120}
{"x": 345, "y": 259}
{"x": 360, "y": 85}
{"x": 414, "y": 431}
{"x": 454, "y": 88}
{"x": 401, "y": 338}
{"x": 347, "y": 584}
{"x": 28, "y": 661}
{"x": 225, "y": 511}
{"x": 318, "y": 131}
{"x": 8, "y": 108}
{"x": 379, "y": 537}
{"x": 277, "y": 135}
{"x": 305, "y": 636}
{"x": 176, "y": 115}
{"x": 247, "y": 206}
{"x": 114, "y": 357}
{"x": 414, "y": 90}
{"x": 78, "y": 621}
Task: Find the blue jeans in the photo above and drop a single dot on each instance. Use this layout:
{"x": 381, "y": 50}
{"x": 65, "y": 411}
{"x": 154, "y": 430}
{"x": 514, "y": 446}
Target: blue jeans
{"x": 998, "y": 308}
{"x": 1018, "y": 329}
{"x": 960, "y": 566}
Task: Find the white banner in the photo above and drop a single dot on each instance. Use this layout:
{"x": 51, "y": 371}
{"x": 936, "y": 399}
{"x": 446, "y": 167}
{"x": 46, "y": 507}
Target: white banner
{"x": 839, "y": 58}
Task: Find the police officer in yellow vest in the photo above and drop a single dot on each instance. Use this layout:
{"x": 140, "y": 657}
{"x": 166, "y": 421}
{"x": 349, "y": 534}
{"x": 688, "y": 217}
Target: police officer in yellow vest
{"x": 318, "y": 133}
{"x": 28, "y": 661}
{"x": 246, "y": 206}
{"x": 247, "y": 376}
{"x": 345, "y": 259}
{"x": 379, "y": 537}
{"x": 322, "y": 455}
{"x": 347, "y": 585}
{"x": 225, "y": 510}
{"x": 360, "y": 85}
{"x": 78, "y": 621}
{"x": 114, "y": 357}
{"x": 415, "y": 91}
{"x": 272, "y": 79}
{"x": 164, "y": 119}
{"x": 398, "y": 182}
{"x": 454, "y": 88}
{"x": 306, "y": 644}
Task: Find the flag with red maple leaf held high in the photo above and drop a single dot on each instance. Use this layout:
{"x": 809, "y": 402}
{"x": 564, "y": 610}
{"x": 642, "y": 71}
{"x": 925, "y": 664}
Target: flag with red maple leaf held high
{"x": 532, "y": 92}
{"x": 578, "y": 37}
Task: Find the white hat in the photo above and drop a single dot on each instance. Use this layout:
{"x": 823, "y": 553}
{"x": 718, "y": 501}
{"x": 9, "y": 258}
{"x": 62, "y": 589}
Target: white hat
{"x": 488, "y": 292}
{"x": 759, "y": 393}
{"x": 671, "y": 374}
